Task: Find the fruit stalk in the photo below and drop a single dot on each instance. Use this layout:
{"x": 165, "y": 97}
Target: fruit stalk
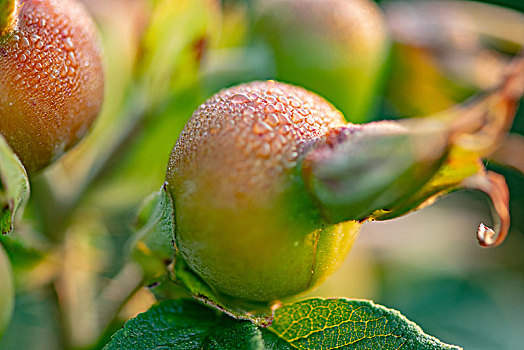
{"x": 8, "y": 16}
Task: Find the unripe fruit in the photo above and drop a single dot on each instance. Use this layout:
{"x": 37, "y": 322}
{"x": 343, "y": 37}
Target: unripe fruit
{"x": 244, "y": 221}
{"x": 51, "y": 80}
{"x": 337, "y": 48}
{"x": 6, "y": 291}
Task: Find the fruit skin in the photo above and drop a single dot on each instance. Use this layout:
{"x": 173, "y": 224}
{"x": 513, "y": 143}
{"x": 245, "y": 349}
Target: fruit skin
{"x": 51, "y": 80}
{"x": 337, "y": 48}
{"x": 244, "y": 221}
{"x": 6, "y": 291}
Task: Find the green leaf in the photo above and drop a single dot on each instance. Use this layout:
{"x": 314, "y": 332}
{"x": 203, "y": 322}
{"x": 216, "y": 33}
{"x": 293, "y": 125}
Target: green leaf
{"x": 153, "y": 244}
{"x": 185, "y": 324}
{"x": 349, "y": 324}
{"x": 14, "y": 187}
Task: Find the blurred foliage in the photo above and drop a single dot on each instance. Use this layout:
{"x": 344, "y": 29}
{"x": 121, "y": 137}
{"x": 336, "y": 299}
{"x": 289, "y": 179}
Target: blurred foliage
{"x": 70, "y": 257}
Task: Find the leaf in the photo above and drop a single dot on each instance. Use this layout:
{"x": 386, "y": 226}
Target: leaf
{"x": 153, "y": 244}
{"x": 14, "y": 187}
{"x": 349, "y": 324}
{"x": 185, "y": 324}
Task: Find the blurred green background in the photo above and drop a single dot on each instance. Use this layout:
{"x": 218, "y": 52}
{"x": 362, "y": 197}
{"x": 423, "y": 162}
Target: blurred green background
{"x": 163, "y": 58}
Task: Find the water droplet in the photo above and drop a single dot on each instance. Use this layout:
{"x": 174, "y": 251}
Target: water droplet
{"x": 310, "y": 120}
{"x": 283, "y": 99}
{"x": 295, "y": 103}
{"x": 264, "y": 150}
{"x": 72, "y": 58}
{"x": 68, "y": 44}
{"x": 279, "y": 107}
{"x": 261, "y": 128}
{"x": 63, "y": 72}
{"x": 297, "y": 117}
{"x": 272, "y": 119}
{"x": 284, "y": 130}
{"x": 284, "y": 119}
{"x": 271, "y": 100}
{"x": 22, "y": 58}
{"x": 249, "y": 111}
{"x": 25, "y": 42}
{"x": 240, "y": 99}
{"x": 303, "y": 111}
{"x": 270, "y": 108}
{"x": 39, "y": 44}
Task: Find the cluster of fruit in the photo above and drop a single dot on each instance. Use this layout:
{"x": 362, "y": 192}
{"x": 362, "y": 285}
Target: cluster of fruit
{"x": 244, "y": 175}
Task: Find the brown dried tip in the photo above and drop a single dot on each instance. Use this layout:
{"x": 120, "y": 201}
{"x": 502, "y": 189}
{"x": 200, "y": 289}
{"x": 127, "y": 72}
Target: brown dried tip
{"x": 51, "y": 80}
{"x": 495, "y": 187}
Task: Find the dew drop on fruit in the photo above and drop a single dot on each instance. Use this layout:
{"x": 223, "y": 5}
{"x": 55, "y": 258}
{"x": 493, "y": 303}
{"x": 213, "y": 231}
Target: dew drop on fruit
{"x": 261, "y": 128}
{"x": 68, "y": 44}
{"x": 272, "y": 120}
{"x": 264, "y": 150}
{"x": 240, "y": 99}
{"x": 25, "y": 42}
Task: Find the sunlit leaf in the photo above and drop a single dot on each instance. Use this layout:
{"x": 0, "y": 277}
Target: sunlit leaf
{"x": 349, "y": 324}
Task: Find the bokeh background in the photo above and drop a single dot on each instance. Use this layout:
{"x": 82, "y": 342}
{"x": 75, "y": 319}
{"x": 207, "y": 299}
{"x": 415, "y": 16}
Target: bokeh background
{"x": 373, "y": 60}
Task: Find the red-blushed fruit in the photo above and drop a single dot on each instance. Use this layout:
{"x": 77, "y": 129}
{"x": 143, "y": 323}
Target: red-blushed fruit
{"x": 244, "y": 221}
{"x": 51, "y": 80}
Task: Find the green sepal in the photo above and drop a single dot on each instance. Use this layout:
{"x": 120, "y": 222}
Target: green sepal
{"x": 371, "y": 167}
{"x": 14, "y": 187}
{"x": 153, "y": 244}
{"x": 259, "y": 313}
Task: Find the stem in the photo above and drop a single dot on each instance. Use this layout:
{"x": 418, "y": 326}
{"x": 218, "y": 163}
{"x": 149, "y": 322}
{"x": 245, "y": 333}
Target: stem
{"x": 118, "y": 292}
{"x": 8, "y": 16}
